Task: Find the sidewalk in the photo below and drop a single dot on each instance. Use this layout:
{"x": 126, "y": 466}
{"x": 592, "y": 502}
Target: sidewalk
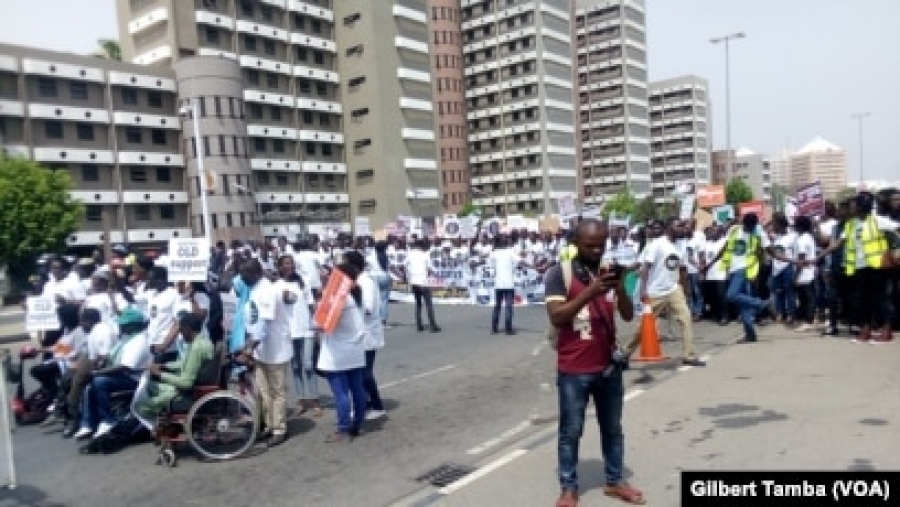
{"x": 12, "y": 326}
{"x": 789, "y": 402}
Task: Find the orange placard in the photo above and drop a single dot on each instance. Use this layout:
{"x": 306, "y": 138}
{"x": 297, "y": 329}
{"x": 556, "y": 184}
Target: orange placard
{"x": 752, "y": 207}
{"x": 710, "y": 196}
{"x": 333, "y": 299}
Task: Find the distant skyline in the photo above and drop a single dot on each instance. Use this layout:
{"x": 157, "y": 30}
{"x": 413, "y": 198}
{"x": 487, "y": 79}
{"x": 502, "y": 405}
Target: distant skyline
{"x": 805, "y": 67}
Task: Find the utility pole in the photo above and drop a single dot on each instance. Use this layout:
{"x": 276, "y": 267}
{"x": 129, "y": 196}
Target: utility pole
{"x": 727, "y": 39}
{"x": 860, "y": 118}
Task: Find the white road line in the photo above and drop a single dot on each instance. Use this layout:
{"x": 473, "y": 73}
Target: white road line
{"x": 418, "y": 376}
{"x": 481, "y": 472}
{"x": 634, "y": 393}
{"x": 684, "y": 368}
{"x": 519, "y": 428}
{"x": 536, "y": 350}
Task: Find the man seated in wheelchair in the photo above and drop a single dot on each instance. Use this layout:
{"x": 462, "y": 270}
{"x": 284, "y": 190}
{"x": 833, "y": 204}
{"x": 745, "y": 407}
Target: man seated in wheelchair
{"x": 169, "y": 380}
{"x": 129, "y": 356}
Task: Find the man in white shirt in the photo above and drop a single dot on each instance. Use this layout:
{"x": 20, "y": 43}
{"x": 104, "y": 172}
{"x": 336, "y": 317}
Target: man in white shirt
{"x": 374, "y": 339}
{"x": 162, "y": 307}
{"x": 663, "y": 285}
{"x": 691, "y": 244}
{"x": 715, "y": 276}
{"x": 806, "y": 256}
{"x": 309, "y": 266}
{"x": 417, "y": 262}
{"x": 504, "y": 261}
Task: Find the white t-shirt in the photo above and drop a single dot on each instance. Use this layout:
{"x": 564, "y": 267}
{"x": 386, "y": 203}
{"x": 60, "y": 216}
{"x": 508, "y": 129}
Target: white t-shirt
{"x": 665, "y": 260}
{"x": 689, "y": 250}
{"x": 260, "y": 308}
{"x": 74, "y": 342}
{"x": 308, "y": 266}
{"x": 786, "y": 245}
{"x": 373, "y": 267}
{"x": 714, "y": 273}
{"x": 344, "y": 349}
{"x": 162, "y": 313}
{"x": 103, "y": 303}
{"x": 372, "y": 312}
{"x": 142, "y": 297}
{"x": 826, "y": 228}
{"x": 504, "y": 262}
{"x": 69, "y": 288}
{"x": 623, "y": 253}
{"x": 883, "y": 224}
{"x": 742, "y": 243}
{"x": 301, "y": 317}
{"x": 99, "y": 341}
{"x": 806, "y": 246}
{"x": 134, "y": 353}
{"x": 277, "y": 347}
{"x": 417, "y": 267}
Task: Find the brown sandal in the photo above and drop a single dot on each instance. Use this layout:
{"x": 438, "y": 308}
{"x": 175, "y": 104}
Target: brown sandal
{"x": 623, "y": 491}
{"x": 567, "y": 499}
{"x": 337, "y": 437}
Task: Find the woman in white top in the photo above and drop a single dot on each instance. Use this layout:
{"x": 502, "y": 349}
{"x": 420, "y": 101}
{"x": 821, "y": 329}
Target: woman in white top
{"x": 805, "y": 275}
{"x": 343, "y": 359}
{"x": 374, "y": 333}
{"x": 306, "y": 386}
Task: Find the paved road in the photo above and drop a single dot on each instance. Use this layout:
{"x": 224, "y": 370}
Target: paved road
{"x": 457, "y": 396}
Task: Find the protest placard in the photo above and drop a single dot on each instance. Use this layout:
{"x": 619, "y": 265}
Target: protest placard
{"x": 451, "y": 227}
{"x": 328, "y": 313}
{"x": 40, "y": 314}
{"x": 566, "y": 205}
{"x": 810, "y": 200}
{"x": 711, "y": 196}
{"x": 188, "y": 259}
{"x": 361, "y": 226}
{"x": 687, "y": 206}
{"x": 723, "y": 214}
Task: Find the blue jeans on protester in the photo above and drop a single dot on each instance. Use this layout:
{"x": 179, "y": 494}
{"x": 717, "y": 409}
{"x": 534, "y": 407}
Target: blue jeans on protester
{"x": 740, "y": 294}
{"x": 608, "y": 394}
{"x": 384, "y": 290}
{"x": 370, "y": 384}
{"x": 782, "y": 287}
{"x": 96, "y": 406}
{"x": 695, "y": 303}
{"x": 505, "y": 297}
{"x": 347, "y": 388}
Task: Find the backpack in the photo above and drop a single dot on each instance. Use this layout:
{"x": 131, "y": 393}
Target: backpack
{"x": 553, "y": 331}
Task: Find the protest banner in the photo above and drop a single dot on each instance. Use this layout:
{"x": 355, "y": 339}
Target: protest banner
{"x": 687, "y": 206}
{"x": 516, "y": 222}
{"x": 711, "y": 196}
{"x": 591, "y": 212}
{"x": 361, "y": 226}
{"x": 810, "y": 200}
{"x": 328, "y": 313}
{"x": 468, "y": 226}
{"x": 451, "y": 227}
{"x": 703, "y": 219}
{"x": 40, "y": 314}
{"x": 566, "y": 205}
{"x": 188, "y": 259}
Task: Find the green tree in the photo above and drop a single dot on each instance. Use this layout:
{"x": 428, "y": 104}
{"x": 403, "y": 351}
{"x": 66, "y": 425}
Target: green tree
{"x": 645, "y": 209}
{"x": 109, "y": 50}
{"x": 737, "y": 192}
{"x": 845, "y": 193}
{"x": 469, "y": 209}
{"x": 622, "y": 203}
{"x": 37, "y": 214}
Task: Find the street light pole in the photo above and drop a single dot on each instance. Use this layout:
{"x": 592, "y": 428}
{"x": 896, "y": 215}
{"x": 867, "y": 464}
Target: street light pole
{"x": 727, "y": 39}
{"x": 860, "y": 117}
{"x": 201, "y": 174}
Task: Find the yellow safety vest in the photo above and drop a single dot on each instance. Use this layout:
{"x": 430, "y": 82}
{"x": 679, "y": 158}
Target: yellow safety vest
{"x": 873, "y": 240}
{"x": 752, "y": 253}
{"x": 568, "y": 253}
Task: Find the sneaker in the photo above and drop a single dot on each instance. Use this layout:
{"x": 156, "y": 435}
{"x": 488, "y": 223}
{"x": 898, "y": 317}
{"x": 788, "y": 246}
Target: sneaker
{"x": 70, "y": 430}
{"x": 693, "y": 361}
{"x": 882, "y": 338}
{"x": 84, "y": 433}
{"x": 374, "y": 415}
{"x": 805, "y": 328}
{"x": 277, "y": 439}
{"x": 50, "y": 420}
{"x": 103, "y": 429}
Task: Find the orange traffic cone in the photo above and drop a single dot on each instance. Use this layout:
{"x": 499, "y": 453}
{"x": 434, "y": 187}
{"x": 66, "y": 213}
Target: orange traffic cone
{"x": 650, "y": 349}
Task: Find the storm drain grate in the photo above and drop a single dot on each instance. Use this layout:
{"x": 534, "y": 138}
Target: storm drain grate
{"x": 445, "y": 474}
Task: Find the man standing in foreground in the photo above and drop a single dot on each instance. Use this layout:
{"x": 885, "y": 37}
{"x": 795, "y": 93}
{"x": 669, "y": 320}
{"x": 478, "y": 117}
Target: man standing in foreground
{"x": 583, "y": 311}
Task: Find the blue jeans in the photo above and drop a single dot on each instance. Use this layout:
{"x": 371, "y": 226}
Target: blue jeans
{"x": 384, "y": 290}
{"x": 370, "y": 384}
{"x": 608, "y": 394}
{"x": 740, "y": 294}
{"x": 501, "y": 297}
{"x": 96, "y": 405}
{"x": 695, "y": 303}
{"x": 782, "y": 287}
{"x": 347, "y": 387}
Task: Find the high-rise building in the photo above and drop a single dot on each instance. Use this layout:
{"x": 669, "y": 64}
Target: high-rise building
{"x": 450, "y": 103}
{"x": 285, "y": 60}
{"x": 612, "y": 98}
{"x": 751, "y": 167}
{"x": 820, "y": 161}
{"x": 679, "y": 129}
{"x": 113, "y": 126}
{"x": 519, "y": 90}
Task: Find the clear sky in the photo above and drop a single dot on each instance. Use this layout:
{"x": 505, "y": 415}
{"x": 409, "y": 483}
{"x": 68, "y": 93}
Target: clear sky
{"x": 804, "y": 68}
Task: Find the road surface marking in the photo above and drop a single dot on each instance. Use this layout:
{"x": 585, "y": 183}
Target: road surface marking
{"x": 634, "y": 393}
{"x": 537, "y": 350}
{"x": 519, "y": 428}
{"x": 418, "y": 376}
{"x": 481, "y": 472}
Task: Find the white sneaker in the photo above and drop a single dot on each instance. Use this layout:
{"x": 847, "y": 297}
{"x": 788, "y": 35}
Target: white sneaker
{"x": 373, "y": 415}
{"x": 103, "y": 429}
{"x": 83, "y": 433}
{"x": 805, "y": 328}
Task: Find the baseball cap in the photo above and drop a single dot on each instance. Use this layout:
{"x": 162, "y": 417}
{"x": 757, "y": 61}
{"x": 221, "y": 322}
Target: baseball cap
{"x": 130, "y": 316}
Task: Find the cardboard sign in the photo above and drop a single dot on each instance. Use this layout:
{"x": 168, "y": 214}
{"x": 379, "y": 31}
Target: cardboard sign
{"x": 711, "y": 196}
{"x": 40, "y": 314}
{"x": 550, "y": 224}
{"x": 494, "y": 227}
{"x": 591, "y": 212}
{"x": 451, "y": 227}
{"x": 723, "y": 214}
{"x": 751, "y": 207}
{"x": 616, "y": 221}
{"x": 468, "y": 226}
{"x": 687, "y": 207}
{"x": 810, "y": 200}
{"x": 516, "y": 222}
{"x": 361, "y": 226}
{"x": 566, "y": 205}
{"x": 188, "y": 259}
{"x": 703, "y": 218}
{"x": 328, "y": 313}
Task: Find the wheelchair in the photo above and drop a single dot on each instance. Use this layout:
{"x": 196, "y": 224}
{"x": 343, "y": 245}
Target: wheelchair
{"x": 218, "y": 422}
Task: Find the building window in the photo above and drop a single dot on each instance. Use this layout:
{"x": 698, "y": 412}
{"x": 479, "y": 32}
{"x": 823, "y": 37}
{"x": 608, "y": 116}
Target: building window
{"x": 307, "y": 117}
{"x": 85, "y": 132}
{"x": 253, "y": 77}
{"x": 133, "y": 135}
{"x": 129, "y": 96}
{"x": 327, "y": 150}
{"x": 247, "y": 7}
{"x": 249, "y": 43}
{"x": 322, "y": 89}
{"x": 310, "y": 148}
{"x": 304, "y": 85}
{"x": 259, "y": 145}
{"x": 53, "y": 129}
{"x": 281, "y": 180}
{"x": 138, "y": 174}
{"x": 319, "y": 57}
{"x": 269, "y": 47}
{"x": 255, "y": 111}
{"x": 163, "y": 175}
{"x": 142, "y": 213}
{"x": 158, "y": 136}
{"x": 90, "y": 172}
{"x": 78, "y": 91}
{"x": 316, "y": 26}
{"x": 302, "y": 54}
{"x": 271, "y": 80}
{"x": 276, "y": 113}
{"x": 154, "y": 99}
{"x": 324, "y": 119}
{"x": 262, "y": 178}
{"x": 278, "y": 145}
{"x": 167, "y": 212}
{"x": 93, "y": 213}
{"x": 47, "y": 87}
{"x": 266, "y": 13}
{"x": 212, "y": 36}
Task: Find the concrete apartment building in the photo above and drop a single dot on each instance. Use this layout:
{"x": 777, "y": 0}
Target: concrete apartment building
{"x": 519, "y": 92}
{"x": 822, "y": 161}
{"x": 114, "y": 127}
{"x": 450, "y": 103}
{"x": 385, "y": 72}
{"x": 747, "y": 165}
{"x": 613, "y": 112}
{"x": 273, "y": 66}
{"x": 679, "y": 130}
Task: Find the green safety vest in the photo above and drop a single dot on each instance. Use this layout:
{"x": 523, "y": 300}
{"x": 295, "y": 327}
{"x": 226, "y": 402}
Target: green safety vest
{"x": 752, "y": 253}
{"x": 873, "y": 240}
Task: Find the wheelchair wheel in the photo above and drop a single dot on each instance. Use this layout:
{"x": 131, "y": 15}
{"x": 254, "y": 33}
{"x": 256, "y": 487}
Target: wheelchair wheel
{"x": 222, "y": 425}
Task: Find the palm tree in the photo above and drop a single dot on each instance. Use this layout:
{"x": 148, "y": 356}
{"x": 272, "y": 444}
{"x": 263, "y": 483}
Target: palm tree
{"x": 109, "y": 50}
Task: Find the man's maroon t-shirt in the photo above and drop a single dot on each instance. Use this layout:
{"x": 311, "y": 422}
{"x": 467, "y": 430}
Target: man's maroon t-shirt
{"x": 587, "y": 351}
